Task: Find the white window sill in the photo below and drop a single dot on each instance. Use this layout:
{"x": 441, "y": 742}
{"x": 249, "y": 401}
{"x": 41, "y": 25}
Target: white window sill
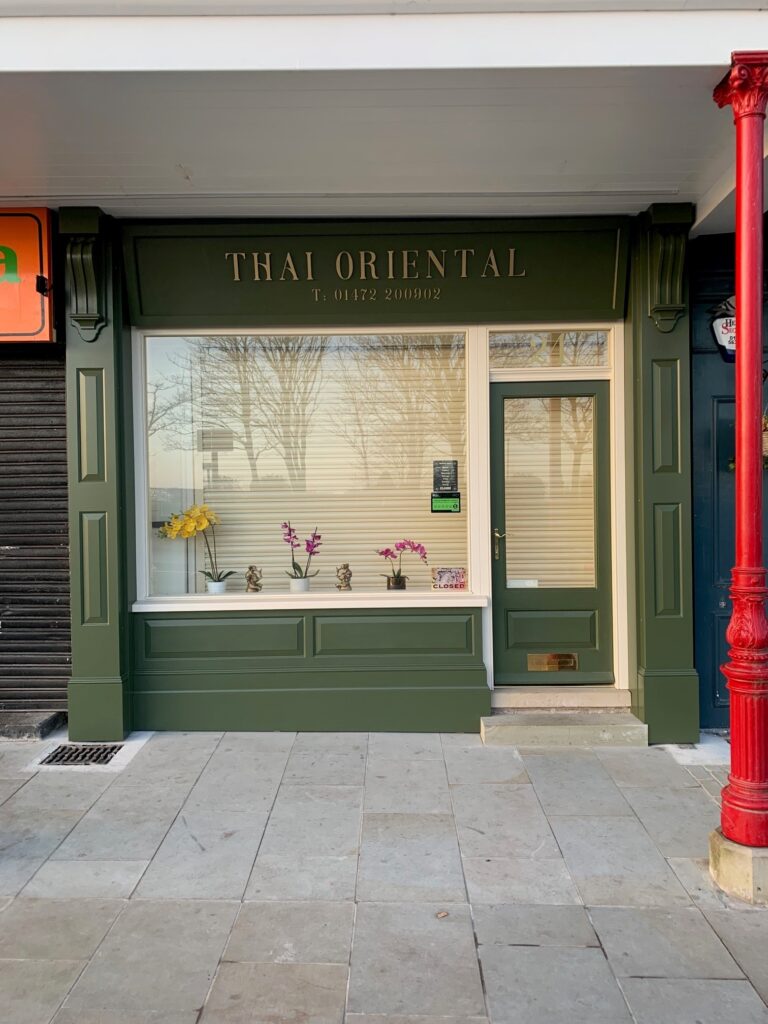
{"x": 285, "y": 602}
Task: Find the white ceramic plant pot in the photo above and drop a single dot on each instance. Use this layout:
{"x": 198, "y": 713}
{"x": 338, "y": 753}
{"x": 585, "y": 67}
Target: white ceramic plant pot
{"x": 216, "y": 586}
{"x": 300, "y": 586}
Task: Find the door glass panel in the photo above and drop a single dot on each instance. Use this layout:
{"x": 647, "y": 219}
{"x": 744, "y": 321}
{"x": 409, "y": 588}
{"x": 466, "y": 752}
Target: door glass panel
{"x": 549, "y": 491}
{"x": 516, "y": 349}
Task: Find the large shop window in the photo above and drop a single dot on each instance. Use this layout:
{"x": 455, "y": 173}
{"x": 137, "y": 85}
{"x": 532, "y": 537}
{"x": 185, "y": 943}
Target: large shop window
{"x": 335, "y": 433}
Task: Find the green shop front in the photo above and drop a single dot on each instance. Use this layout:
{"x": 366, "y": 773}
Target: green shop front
{"x": 383, "y": 475}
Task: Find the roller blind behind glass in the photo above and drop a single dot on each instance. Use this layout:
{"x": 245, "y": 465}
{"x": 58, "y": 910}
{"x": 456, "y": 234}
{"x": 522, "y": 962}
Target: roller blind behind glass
{"x": 337, "y": 432}
{"x": 549, "y": 491}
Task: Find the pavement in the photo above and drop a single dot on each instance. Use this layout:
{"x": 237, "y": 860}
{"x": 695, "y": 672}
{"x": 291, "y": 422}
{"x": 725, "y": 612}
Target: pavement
{"x": 385, "y": 879}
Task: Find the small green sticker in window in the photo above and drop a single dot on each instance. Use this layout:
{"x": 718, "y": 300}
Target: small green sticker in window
{"x": 446, "y": 502}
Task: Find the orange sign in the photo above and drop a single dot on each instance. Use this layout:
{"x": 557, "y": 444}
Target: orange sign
{"x": 25, "y": 276}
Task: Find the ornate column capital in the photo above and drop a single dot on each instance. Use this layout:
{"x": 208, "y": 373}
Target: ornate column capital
{"x": 745, "y": 87}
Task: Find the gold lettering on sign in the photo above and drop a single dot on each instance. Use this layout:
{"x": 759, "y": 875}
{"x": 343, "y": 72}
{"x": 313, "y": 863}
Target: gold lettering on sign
{"x": 464, "y": 253}
{"x": 409, "y": 264}
{"x": 491, "y": 265}
{"x": 236, "y": 257}
{"x": 262, "y": 261}
{"x": 368, "y": 262}
{"x": 289, "y": 268}
{"x": 347, "y": 258}
{"x": 372, "y": 265}
{"x": 438, "y": 264}
{"x": 512, "y": 273}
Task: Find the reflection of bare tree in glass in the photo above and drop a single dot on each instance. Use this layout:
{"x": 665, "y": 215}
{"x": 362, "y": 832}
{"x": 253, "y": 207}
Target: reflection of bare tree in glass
{"x": 398, "y": 399}
{"x": 549, "y": 348}
{"x": 262, "y": 390}
{"x": 161, "y": 401}
{"x": 567, "y": 422}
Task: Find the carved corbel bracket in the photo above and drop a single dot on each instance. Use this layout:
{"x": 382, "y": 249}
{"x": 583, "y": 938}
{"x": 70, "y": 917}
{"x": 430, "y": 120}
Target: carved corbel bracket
{"x": 85, "y": 277}
{"x": 666, "y": 264}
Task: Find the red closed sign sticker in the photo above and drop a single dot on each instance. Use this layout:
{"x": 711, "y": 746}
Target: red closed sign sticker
{"x": 25, "y": 276}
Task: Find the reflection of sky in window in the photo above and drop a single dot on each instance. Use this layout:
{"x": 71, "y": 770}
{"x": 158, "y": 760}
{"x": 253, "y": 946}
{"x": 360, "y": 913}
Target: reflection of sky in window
{"x": 351, "y": 454}
{"x": 368, "y": 396}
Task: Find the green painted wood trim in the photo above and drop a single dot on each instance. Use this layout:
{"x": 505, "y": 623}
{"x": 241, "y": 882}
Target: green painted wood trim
{"x": 552, "y": 607}
{"x": 409, "y": 709}
{"x": 665, "y": 688}
{"x": 98, "y": 710}
{"x": 99, "y": 707}
{"x": 178, "y": 273}
{"x": 410, "y": 670}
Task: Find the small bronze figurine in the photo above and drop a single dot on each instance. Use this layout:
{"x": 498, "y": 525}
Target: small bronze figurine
{"x": 253, "y": 580}
{"x": 344, "y": 576}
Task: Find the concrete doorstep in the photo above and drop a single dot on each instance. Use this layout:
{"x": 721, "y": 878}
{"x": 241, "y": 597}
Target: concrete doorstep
{"x": 564, "y": 728}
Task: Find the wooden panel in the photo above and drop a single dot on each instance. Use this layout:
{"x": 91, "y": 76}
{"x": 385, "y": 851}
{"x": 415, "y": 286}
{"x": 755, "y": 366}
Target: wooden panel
{"x": 666, "y": 416}
{"x": 667, "y": 565}
{"x": 547, "y": 629}
{"x": 93, "y": 568}
{"x": 224, "y": 637}
{"x": 411, "y": 634}
{"x": 90, "y": 423}
{"x": 494, "y": 271}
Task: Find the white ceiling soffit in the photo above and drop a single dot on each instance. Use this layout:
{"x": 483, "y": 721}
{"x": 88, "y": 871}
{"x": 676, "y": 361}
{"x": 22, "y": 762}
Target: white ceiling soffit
{"x": 644, "y": 39}
{"x": 67, "y": 8}
{"x": 303, "y": 144}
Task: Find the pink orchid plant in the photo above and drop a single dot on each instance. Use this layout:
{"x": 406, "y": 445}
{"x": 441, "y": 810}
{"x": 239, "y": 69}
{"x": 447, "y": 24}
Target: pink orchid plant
{"x": 394, "y": 556}
{"x": 311, "y": 545}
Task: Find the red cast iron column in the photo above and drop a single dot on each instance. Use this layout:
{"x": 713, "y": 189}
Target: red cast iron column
{"x": 745, "y": 798}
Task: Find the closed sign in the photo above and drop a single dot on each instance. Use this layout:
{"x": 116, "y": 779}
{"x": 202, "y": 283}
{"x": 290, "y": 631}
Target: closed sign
{"x": 25, "y": 276}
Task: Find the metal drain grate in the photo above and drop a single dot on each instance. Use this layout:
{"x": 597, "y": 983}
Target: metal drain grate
{"x": 83, "y": 753}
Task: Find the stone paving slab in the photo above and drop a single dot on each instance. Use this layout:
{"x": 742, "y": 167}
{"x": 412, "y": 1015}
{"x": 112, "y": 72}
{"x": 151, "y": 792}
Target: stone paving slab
{"x": 509, "y": 925}
{"x": 656, "y": 943}
{"x": 686, "y": 1001}
{"x": 286, "y": 933}
{"x": 158, "y": 956}
{"x": 43, "y": 929}
{"x": 746, "y": 937}
{"x": 383, "y": 879}
{"x": 540, "y": 985}
{"x": 407, "y": 857}
{"x": 268, "y": 993}
{"x": 415, "y": 958}
{"x": 614, "y": 861}
{"x": 574, "y": 782}
{"x": 86, "y": 879}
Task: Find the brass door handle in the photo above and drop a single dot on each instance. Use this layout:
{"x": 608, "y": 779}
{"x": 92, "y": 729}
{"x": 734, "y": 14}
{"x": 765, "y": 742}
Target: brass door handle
{"x": 496, "y": 538}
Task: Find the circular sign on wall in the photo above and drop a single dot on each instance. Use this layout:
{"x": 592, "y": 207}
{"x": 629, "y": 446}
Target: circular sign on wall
{"x": 724, "y": 327}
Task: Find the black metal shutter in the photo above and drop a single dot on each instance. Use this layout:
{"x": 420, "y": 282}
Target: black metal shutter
{"x": 34, "y": 549}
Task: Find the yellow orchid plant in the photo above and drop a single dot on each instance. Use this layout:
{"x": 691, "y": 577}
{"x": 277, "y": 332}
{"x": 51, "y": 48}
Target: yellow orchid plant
{"x": 198, "y": 519}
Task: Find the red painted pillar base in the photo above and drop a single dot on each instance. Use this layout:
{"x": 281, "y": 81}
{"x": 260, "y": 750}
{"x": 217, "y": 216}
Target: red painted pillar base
{"x": 745, "y": 798}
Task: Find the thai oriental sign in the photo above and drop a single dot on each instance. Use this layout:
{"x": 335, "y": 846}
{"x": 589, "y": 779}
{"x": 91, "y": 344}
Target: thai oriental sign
{"x": 378, "y": 272}
{"x": 25, "y": 276}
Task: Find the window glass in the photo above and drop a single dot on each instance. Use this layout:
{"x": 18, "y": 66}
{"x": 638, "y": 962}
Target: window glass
{"x": 334, "y": 433}
{"x": 549, "y": 491}
{"x": 538, "y": 349}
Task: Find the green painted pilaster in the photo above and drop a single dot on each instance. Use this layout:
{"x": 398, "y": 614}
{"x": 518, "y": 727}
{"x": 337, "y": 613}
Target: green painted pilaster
{"x": 665, "y": 691}
{"x": 99, "y": 701}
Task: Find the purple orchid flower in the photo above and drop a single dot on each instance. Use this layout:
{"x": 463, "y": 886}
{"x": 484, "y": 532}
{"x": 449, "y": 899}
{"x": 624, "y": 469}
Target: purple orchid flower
{"x": 394, "y": 554}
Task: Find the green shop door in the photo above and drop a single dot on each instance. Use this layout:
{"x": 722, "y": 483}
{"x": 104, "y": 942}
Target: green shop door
{"x": 551, "y": 533}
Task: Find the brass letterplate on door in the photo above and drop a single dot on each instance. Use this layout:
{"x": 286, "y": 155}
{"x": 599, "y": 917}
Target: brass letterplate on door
{"x": 553, "y": 662}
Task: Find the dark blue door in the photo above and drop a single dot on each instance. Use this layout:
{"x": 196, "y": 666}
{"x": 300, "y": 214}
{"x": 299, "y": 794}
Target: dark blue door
{"x": 713, "y": 519}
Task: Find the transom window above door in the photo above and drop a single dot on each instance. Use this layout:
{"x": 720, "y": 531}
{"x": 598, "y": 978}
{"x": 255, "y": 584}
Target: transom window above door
{"x": 555, "y": 350}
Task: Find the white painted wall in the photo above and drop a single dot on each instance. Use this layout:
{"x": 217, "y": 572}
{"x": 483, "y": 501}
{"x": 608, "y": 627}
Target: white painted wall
{"x": 373, "y": 42}
{"x": 34, "y": 8}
